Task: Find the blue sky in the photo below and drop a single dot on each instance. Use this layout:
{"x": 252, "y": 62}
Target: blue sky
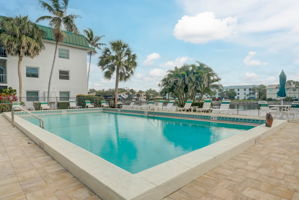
{"x": 244, "y": 41}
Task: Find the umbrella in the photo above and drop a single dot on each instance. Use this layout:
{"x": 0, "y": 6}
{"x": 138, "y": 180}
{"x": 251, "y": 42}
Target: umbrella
{"x": 282, "y": 85}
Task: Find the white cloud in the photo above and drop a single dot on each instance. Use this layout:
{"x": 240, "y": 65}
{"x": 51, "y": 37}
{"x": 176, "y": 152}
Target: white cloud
{"x": 204, "y": 27}
{"x": 250, "y": 61}
{"x": 178, "y": 62}
{"x": 251, "y": 76}
{"x": 151, "y": 58}
{"x": 272, "y": 24}
{"x": 157, "y": 72}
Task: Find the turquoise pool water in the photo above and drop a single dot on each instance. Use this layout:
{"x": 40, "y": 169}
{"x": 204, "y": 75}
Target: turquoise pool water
{"x": 136, "y": 143}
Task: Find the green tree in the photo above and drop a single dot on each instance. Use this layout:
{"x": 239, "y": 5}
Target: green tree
{"x": 94, "y": 43}
{"x": 59, "y": 20}
{"x": 188, "y": 81}
{"x": 22, "y": 38}
{"x": 151, "y": 93}
{"x": 261, "y": 91}
{"x": 118, "y": 59}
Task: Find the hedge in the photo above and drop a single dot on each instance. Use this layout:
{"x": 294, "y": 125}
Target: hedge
{"x": 197, "y": 104}
{"x": 93, "y": 99}
{"x": 63, "y": 105}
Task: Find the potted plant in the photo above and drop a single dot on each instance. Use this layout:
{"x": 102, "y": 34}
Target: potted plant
{"x": 269, "y": 120}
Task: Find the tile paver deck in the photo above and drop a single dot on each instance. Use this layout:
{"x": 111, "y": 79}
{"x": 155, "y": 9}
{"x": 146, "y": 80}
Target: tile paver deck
{"x": 268, "y": 170}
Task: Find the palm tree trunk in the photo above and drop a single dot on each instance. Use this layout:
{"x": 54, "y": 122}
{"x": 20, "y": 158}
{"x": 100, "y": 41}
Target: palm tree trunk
{"x": 51, "y": 73}
{"x": 89, "y": 70}
{"x": 20, "y": 74}
{"x": 116, "y": 87}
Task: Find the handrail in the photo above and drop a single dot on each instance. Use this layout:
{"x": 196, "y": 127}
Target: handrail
{"x": 41, "y": 121}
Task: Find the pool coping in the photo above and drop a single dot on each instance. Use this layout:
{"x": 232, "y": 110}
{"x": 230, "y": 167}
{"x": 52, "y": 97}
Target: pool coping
{"x": 113, "y": 183}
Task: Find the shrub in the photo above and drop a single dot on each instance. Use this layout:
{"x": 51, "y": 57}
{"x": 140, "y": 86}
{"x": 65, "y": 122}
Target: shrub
{"x": 63, "y": 105}
{"x": 197, "y": 104}
{"x": 96, "y": 100}
{"x": 5, "y": 107}
{"x": 36, "y": 106}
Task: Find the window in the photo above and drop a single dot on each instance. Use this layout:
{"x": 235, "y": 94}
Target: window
{"x": 64, "y": 53}
{"x": 32, "y": 96}
{"x": 64, "y": 96}
{"x": 64, "y": 75}
{"x": 32, "y": 72}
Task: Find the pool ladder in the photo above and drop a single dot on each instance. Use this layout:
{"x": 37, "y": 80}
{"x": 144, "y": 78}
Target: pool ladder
{"x": 41, "y": 121}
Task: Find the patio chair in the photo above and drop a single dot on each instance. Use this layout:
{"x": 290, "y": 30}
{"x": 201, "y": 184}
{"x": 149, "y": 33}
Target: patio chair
{"x": 73, "y": 105}
{"x": 206, "y": 107}
{"x": 44, "y": 106}
{"x": 187, "y": 106}
{"x": 88, "y": 104}
{"x": 104, "y": 104}
{"x": 170, "y": 107}
{"x": 224, "y": 108}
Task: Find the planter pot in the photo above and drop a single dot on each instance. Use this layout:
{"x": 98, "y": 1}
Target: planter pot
{"x": 269, "y": 120}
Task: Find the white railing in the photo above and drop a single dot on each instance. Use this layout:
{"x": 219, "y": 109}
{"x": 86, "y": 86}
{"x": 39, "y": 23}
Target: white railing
{"x": 41, "y": 121}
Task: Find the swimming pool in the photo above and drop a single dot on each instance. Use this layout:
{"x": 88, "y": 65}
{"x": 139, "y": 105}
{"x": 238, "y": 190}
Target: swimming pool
{"x": 135, "y": 143}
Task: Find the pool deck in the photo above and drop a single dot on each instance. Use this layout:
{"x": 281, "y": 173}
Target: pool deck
{"x": 269, "y": 170}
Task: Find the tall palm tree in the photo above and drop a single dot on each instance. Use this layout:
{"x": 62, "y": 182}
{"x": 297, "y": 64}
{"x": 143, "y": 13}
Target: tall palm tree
{"x": 94, "y": 43}
{"x": 20, "y": 37}
{"x": 118, "y": 59}
{"x": 59, "y": 21}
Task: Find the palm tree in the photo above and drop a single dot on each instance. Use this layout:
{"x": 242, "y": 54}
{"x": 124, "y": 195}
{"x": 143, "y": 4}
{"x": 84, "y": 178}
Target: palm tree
{"x": 94, "y": 43}
{"x": 20, "y": 37}
{"x": 120, "y": 60}
{"x": 58, "y": 20}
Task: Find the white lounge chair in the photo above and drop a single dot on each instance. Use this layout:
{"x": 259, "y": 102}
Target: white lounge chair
{"x": 44, "y": 106}
{"x": 224, "y": 108}
{"x": 159, "y": 106}
{"x": 170, "y": 107}
{"x": 104, "y": 104}
{"x": 187, "y": 106}
{"x": 130, "y": 106}
{"x": 73, "y": 104}
{"x": 88, "y": 104}
{"x": 206, "y": 107}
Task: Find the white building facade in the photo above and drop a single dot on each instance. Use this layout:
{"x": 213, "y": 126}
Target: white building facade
{"x": 69, "y": 76}
{"x": 291, "y": 91}
{"x": 243, "y": 91}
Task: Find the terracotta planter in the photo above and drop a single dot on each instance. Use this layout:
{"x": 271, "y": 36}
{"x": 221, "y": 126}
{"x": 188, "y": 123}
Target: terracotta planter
{"x": 269, "y": 120}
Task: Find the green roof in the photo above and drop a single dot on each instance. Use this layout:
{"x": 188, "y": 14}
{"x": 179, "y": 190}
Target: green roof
{"x": 72, "y": 39}
{"x": 69, "y": 38}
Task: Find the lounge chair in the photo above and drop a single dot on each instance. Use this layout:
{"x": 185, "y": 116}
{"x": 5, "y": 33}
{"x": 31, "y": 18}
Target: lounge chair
{"x": 159, "y": 105}
{"x": 130, "y": 106}
{"x": 88, "y": 104}
{"x": 16, "y": 106}
{"x": 187, "y": 106}
{"x": 206, "y": 107}
{"x": 104, "y": 104}
{"x": 149, "y": 106}
{"x": 224, "y": 108}
{"x": 73, "y": 104}
{"x": 44, "y": 106}
{"x": 170, "y": 107}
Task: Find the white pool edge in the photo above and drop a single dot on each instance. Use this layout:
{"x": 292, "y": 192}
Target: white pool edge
{"x": 113, "y": 183}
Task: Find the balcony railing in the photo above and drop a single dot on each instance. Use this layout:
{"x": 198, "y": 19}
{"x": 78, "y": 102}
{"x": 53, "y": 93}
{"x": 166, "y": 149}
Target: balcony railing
{"x": 2, "y": 52}
{"x": 3, "y": 78}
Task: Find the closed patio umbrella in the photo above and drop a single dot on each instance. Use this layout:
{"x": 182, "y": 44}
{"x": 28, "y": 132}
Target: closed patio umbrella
{"x": 282, "y": 83}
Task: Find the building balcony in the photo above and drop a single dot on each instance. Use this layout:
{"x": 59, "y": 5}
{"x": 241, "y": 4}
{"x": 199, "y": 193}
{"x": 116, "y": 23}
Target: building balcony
{"x": 2, "y": 52}
{"x": 3, "y": 78}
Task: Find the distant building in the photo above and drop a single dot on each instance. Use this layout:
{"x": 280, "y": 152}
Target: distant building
{"x": 291, "y": 91}
{"x": 243, "y": 91}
